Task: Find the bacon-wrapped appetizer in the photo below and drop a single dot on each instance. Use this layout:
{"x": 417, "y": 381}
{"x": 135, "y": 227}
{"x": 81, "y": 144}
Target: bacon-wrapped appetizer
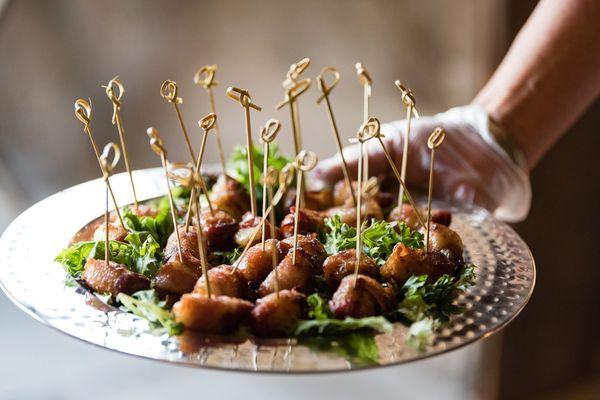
{"x": 257, "y": 264}
{"x": 313, "y": 248}
{"x": 112, "y": 278}
{"x": 211, "y": 315}
{"x": 218, "y": 229}
{"x": 309, "y": 221}
{"x": 342, "y": 196}
{"x": 189, "y": 243}
{"x": 278, "y": 313}
{"x": 408, "y": 216}
{"x": 229, "y": 195}
{"x": 177, "y": 277}
{"x": 364, "y": 298}
{"x": 342, "y": 264}
{"x": 405, "y": 262}
{"x": 247, "y": 227}
{"x": 370, "y": 210}
{"x": 115, "y": 231}
{"x": 447, "y": 242}
{"x": 299, "y": 275}
{"x": 317, "y": 200}
{"x": 224, "y": 281}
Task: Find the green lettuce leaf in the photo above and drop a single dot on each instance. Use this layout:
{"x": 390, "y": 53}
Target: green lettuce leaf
{"x": 238, "y": 166}
{"x": 378, "y": 237}
{"x": 147, "y": 304}
{"x": 141, "y": 257}
{"x": 353, "y": 338}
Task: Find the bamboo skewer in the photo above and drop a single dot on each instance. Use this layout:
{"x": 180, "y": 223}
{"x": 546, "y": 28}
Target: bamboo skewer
{"x": 205, "y": 77}
{"x": 83, "y": 112}
{"x": 367, "y": 131}
{"x": 365, "y": 79}
{"x": 169, "y": 91}
{"x": 206, "y": 124}
{"x": 243, "y": 97}
{"x": 269, "y": 180}
{"x": 115, "y": 91}
{"x": 326, "y": 90}
{"x": 376, "y": 128}
{"x": 291, "y": 81}
{"x": 433, "y": 142}
{"x": 304, "y": 162}
{"x": 157, "y": 146}
{"x": 107, "y": 167}
{"x": 267, "y": 135}
{"x": 409, "y": 101}
{"x": 286, "y": 177}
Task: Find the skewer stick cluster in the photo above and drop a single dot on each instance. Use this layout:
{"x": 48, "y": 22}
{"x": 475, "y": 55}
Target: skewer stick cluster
{"x": 368, "y": 130}
{"x": 409, "y": 102}
{"x": 433, "y": 142}
{"x": 304, "y": 162}
{"x": 286, "y": 177}
{"x": 206, "y": 124}
{"x": 326, "y": 90}
{"x": 243, "y": 97}
{"x": 365, "y": 80}
{"x": 107, "y": 165}
{"x": 267, "y": 135}
{"x": 83, "y": 112}
{"x": 170, "y": 92}
{"x": 205, "y": 77}
{"x": 115, "y": 91}
{"x": 157, "y": 146}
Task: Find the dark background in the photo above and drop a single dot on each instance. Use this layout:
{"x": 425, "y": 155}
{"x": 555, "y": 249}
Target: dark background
{"x": 552, "y": 347}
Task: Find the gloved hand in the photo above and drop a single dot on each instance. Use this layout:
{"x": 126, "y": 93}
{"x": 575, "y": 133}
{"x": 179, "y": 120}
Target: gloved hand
{"x": 470, "y": 166}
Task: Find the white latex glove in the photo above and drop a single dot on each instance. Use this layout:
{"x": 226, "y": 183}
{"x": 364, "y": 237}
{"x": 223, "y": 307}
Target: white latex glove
{"x": 470, "y": 165}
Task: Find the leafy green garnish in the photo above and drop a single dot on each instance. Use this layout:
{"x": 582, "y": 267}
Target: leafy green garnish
{"x": 159, "y": 227}
{"x": 425, "y": 306}
{"x": 353, "y": 338}
{"x": 146, "y": 304}
{"x": 360, "y": 347}
{"x": 137, "y": 256}
{"x": 226, "y": 257}
{"x": 318, "y": 309}
{"x": 378, "y": 237}
{"x": 238, "y": 166}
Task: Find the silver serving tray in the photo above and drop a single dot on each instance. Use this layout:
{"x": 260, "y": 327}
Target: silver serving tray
{"x": 35, "y": 283}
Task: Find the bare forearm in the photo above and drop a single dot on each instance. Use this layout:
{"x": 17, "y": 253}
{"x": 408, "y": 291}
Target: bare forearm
{"x": 550, "y": 75}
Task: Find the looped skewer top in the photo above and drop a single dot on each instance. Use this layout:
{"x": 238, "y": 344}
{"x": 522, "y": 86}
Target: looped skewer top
{"x": 294, "y": 92}
{"x": 83, "y": 111}
{"x": 243, "y": 97}
{"x": 436, "y": 138}
{"x": 269, "y": 131}
{"x": 305, "y": 161}
{"x": 205, "y": 76}
{"x": 322, "y": 84}
{"x": 115, "y": 90}
{"x": 156, "y": 143}
{"x": 295, "y": 71}
{"x": 169, "y": 91}
{"x": 363, "y": 75}
{"x": 369, "y": 130}
{"x": 208, "y": 122}
{"x": 106, "y": 163}
{"x": 408, "y": 99}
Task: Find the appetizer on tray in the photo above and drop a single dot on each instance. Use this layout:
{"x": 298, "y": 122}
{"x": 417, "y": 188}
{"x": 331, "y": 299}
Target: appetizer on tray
{"x": 255, "y": 253}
